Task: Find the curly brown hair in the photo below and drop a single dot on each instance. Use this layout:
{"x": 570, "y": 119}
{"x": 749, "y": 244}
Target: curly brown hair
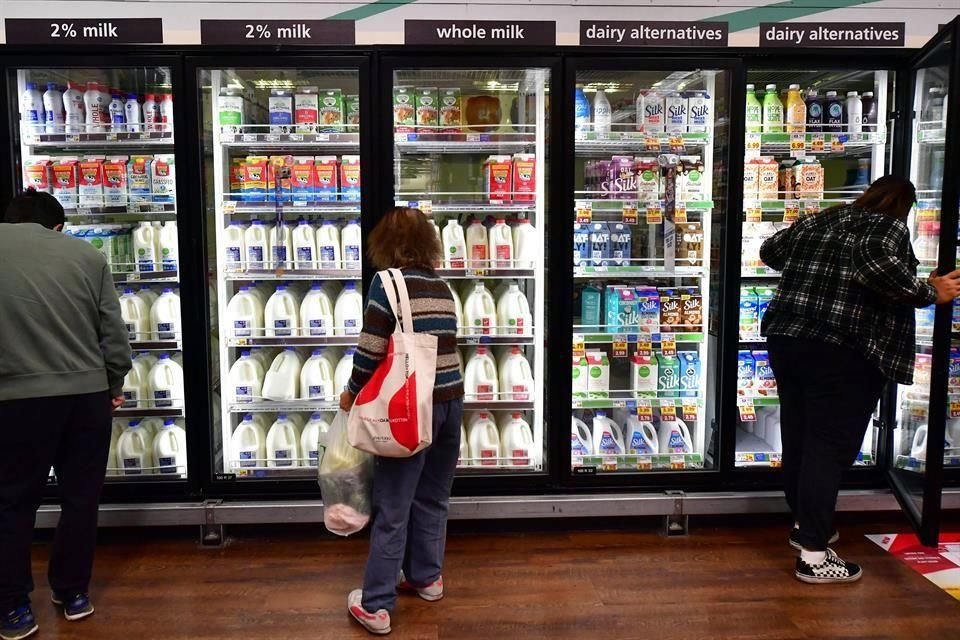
{"x": 404, "y": 237}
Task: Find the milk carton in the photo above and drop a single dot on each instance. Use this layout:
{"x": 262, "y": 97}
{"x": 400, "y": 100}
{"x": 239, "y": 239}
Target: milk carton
{"x": 350, "y": 178}
{"x": 765, "y": 382}
{"x": 427, "y": 113}
{"x": 66, "y": 180}
{"x": 621, "y": 178}
{"x": 746, "y": 372}
{"x": 689, "y": 381}
{"x": 580, "y": 375}
{"x": 351, "y": 107}
{"x": 498, "y": 175}
{"x": 751, "y": 180}
{"x": 331, "y": 111}
{"x": 115, "y": 182}
{"x": 598, "y": 374}
{"x": 139, "y": 181}
{"x": 692, "y": 178}
{"x": 306, "y": 109}
{"x": 163, "y": 179}
{"x": 599, "y": 244}
{"x": 38, "y": 175}
{"x": 691, "y": 309}
{"x": 524, "y": 177}
{"x": 451, "y": 118}
{"x": 648, "y": 179}
{"x": 764, "y": 298}
{"x": 671, "y": 314}
{"x": 749, "y": 313}
{"x": 581, "y": 244}
{"x": 302, "y": 182}
{"x": 689, "y": 243}
{"x": 231, "y": 111}
{"x": 648, "y": 312}
{"x": 281, "y": 111}
{"x": 768, "y": 179}
{"x": 90, "y": 188}
{"x": 676, "y": 113}
{"x": 590, "y": 301}
{"x": 653, "y": 111}
{"x": 668, "y": 371}
{"x": 644, "y": 376}
{"x": 700, "y": 112}
{"x": 620, "y": 239}
{"x": 326, "y": 185}
{"x": 622, "y": 311}
{"x": 404, "y": 110}
{"x": 255, "y": 179}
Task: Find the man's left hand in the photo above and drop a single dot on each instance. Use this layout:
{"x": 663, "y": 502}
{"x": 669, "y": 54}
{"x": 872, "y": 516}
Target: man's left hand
{"x": 346, "y": 400}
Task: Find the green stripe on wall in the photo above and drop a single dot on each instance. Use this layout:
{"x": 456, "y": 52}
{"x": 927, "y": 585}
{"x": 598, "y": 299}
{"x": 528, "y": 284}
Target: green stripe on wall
{"x": 780, "y": 11}
{"x": 371, "y": 9}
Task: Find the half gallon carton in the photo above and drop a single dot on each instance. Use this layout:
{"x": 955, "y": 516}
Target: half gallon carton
{"x": 524, "y": 177}
{"x": 139, "y": 171}
{"x": 255, "y": 179}
{"x": 325, "y": 180}
{"x": 331, "y": 111}
{"x": 498, "y": 174}
{"x": 38, "y": 175}
{"x": 404, "y": 110}
{"x": 90, "y": 187}
{"x": 163, "y": 177}
{"x": 351, "y": 106}
{"x": 451, "y": 111}
{"x": 427, "y": 111}
{"x": 302, "y": 179}
{"x": 350, "y": 178}
{"x": 622, "y": 310}
{"x": 598, "y": 374}
{"x": 115, "y": 182}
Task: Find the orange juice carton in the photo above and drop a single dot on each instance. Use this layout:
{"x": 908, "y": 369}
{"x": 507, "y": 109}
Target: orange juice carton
{"x": 404, "y": 110}
{"x": 303, "y": 179}
{"x": 90, "y": 186}
{"x": 325, "y": 178}
{"x": 38, "y": 175}
{"x": 768, "y": 179}
{"x": 498, "y": 173}
{"x": 139, "y": 183}
{"x": 115, "y": 181}
{"x": 427, "y": 111}
{"x": 451, "y": 111}
{"x": 350, "y": 178}
{"x": 524, "y": 177}
{"x": 255, "y": 179}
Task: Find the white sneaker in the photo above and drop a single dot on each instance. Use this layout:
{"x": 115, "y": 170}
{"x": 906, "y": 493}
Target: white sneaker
{"x": 376, "y": 623}
{"x": 430, "y": 593}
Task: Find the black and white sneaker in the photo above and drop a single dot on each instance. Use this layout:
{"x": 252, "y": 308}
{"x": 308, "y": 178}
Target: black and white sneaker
{"x": 832, "y": 570}
{"x": 795, "y": 535}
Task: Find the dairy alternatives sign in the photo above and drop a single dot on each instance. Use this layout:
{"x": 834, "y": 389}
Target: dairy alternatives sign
{"x": 302, "y": 32}
{"x": 535, "y": 32}
{"x": 654, "y": 34}
{"x": 834, "y": 34}
{"x": 76, "y": 31}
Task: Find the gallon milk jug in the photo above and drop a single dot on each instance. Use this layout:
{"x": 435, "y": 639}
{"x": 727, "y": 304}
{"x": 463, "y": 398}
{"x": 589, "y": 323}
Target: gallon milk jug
{"x": 513, "y": 312}
{"x": 641, "y": 437}
{"x": 481, "y": 379}
{"x": 135, "y": 450}
{"x": 304, "y": 246}
{"x": 246, "y": 378}
{"x": 249, "y": 444}
{"x": 477, "y": 246}
{"x": 255, "y": 239}
{"x": 245, "y": 313}
{"x": 170, "y": 448}
{"x": 501, "y": 245}
{"x": 526, "y": 247}
{"x": 484, "y": 352}
{"x": 341, "y": 375}
{"x": 464, "y": 448}
{"x": 316, "y": 378}
{"x": 458, "y": 308}
{"x": 151, "y": 426}
{"x": 918, "y": 449}
{"x": 282, "y": 314}
{"x": 348, "y": 312}
{"x": 135, "y": 389}
{"x": 143, "y": 362}
{"x": 580, "y": 440}
{"x": 484, "y": 440}
{"x": 674, "y": 437}
{"x": 169, "y": 246}
{"x": 145, "y": 243}
{"x": 165, "y": 316}
{"x": 136, "y": 316}
{"x": 235, "y": 247}
{"x": 313, "y": 440}
{"x": 516, "y": 378}
{"x": 148, "y": 295}
{"x": 350, "y": 245}
{"x": 328, "y": 245}
{"x": 281, "y": 246}
{"x": 283, "y": 443}
{"x": 282, "y": 380}
{"x": 165, "y": 383}
{"x": 607, "y": 437}
{"x": 480, "y": 313}
{"x": 516, "y": 441}
{"x": 454, "y": 246}
{"x": 316, "y": 313}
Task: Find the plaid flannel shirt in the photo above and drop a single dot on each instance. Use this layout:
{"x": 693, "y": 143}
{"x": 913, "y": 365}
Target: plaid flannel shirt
{"x": 849, "y": 277}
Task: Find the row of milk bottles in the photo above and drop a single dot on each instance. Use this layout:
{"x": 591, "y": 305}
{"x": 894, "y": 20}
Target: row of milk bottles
{"x": 303, "y": 246}
{"x": 154, "y": 382}
{"x": 487, "y": 377}
{"x": 499, "y": 247}
{"x": 156, "y": 247}
{"x": 480, "y": 312}
{"x": 149, "y": 445}
{"x": 486, "y": 441}
{"x": 291, "y": 310}
{"x": 288, "y": 441}
{"x": 287, "y": 375}
{"x": 628, "y": 435}
{"x": 151, "y": 317}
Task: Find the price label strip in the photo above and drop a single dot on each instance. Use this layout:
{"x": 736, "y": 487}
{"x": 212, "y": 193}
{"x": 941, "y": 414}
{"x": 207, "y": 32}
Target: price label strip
{"x": 791, "y": 210}
{"x": 668, "y": 345}
{"x": 652, "y": 143}
{"x": 680, "y": 213}
{"x": 644, "y": 411}
{"x": 955, "y": 408}
{"x": 584, "y": 212}
{"x": 754, "y": 211}
{"x": 838, "y": 144}
{"x": 645, "y": 348}
{"x": 668, "y": 412}
{"x": 798, "y": 145}
{"x": 748, "y": 412}
{"x": 817, "y": 143}
{"x": 753, "y": 144}
{"x": 654, "y": 212}
{"x": 689, "y": 412}
{"x": 230, "y": 208}
{"x": 630, "y": 215}
{"x": 811, "y": 206}
{"x": 676, "y": 144}
{"x": 579, "y": 348}
{"x": 619, "y": 346}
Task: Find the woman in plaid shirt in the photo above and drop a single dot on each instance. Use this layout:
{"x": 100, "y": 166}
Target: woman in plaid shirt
{"x": 839, "y": 327}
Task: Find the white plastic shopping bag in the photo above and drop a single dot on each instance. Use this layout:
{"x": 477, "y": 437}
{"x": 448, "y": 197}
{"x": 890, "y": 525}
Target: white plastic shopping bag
{"x": 346, "y": 481}
{"x": 393, "y": 413}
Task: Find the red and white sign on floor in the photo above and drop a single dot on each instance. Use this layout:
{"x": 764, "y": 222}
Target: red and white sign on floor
{"x": 940, "y": 566}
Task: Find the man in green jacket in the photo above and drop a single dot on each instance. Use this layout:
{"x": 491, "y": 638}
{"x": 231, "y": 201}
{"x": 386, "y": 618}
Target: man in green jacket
{"x": 65, "y": 354}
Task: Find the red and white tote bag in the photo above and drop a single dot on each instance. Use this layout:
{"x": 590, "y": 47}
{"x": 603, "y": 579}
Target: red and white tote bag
{"x": 393, "y": 413}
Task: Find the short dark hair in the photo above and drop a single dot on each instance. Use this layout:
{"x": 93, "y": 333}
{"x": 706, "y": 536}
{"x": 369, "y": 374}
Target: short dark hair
{"x": 35, "y": 206}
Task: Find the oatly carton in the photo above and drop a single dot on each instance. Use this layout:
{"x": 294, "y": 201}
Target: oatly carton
{"x": 115, "y": 182}
{"x": 325, "y": 178}
{"x": 350, "y": 178}
{"x": 599, "y": 244}
{"x": 90, "y": 186}
{"x": 524, "y": 177}
{"x": 620, "y": 239}
{"x": 581, "y": 244}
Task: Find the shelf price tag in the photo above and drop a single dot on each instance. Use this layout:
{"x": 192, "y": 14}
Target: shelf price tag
{"x": 791, "y": 210}
{"x": 817, "y": 143}
{"x": 748, "y": 412}
{"x": 838, "y": 144}
{"x": 644, "y": 410}
{"x": 811, "y": 206}
{"x": 133, "y": 276}
{"x": 753, "y": 144}
{"x": 249, "y": 137}
{"x": 630, "y": 215}
{"x": 584, "y": 213}
{"x": 668, "y": 412}
{"x": 242, "y": 342}
{"x": 645, "y": 348}
{"x": 652, "y": 143}
{"x": 676, "y": 143}
{"x": 680, "y": 213}
{"x": 955, "y": 408}
{"x": 579, "y": 348}
{"x": 619, "y": 346}
{"x": 798, "y": 145}
{"x": 753, "y": 210}
{"x": 689, "y": 412}
{"x": 678, "y": 461}
{"x": 654, "y": 212}
{"x": 229, "y": 207}
{"x": 668, "y": 345}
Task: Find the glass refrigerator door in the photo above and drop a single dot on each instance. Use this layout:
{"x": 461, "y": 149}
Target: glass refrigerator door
{"x": 924, "y": 437}
{"x": 282, "y": 176}
{"x": 470, "y": 150}
{"x": 814, "y": 139}
{"x": 101, "y": 140}
{"x": 649, "y": 171}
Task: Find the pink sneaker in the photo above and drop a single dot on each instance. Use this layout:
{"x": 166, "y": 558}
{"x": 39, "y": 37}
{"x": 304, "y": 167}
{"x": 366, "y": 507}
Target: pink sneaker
{"x": 376, "y": 623}
{"x": 430, "y": 593}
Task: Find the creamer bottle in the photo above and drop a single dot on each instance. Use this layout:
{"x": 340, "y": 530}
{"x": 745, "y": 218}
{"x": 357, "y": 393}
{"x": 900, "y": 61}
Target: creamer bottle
{"x": 526, "y": 247}
{"x": 246, "y": 378}
{"x": 165, "y": 383}
{"x": 501, "y": 245}
{"x": 313, "y": 440}
{"x": 516, "y": 441}
{"x": 165, "y": 316}
{"x": 348, "y": 312}
{"x": 304, "y": 246}
{"x": 255, "y": 238}
{"x": 282, "y": 314}
{"x": 477, "y": 256}
{"x": 245, "y": 314}
{"x": 316, "y": 378}
{"x": 170, "y": 448}
{"x": 248, "y": 444}
{"x": 481, "y": 383}
{"x": 282, "y": 380}
{"x": 350, "y": 245}
{"x": 283, "y": 443}
{"x": 328, "y": 245}
{"x": 136, "y": 316}
{"x": 341, "y": 375}
{"x": 135, "y": 450}
{"x": 513, "y": 313}
{"x": 480, "y": 313}
{"x": 169, "y": 245}
{"x": 145, "y": 247}
{"x": 484, "y": 440}
{"x": 316, "y": 313}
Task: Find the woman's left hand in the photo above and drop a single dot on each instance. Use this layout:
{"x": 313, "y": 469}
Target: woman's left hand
{"x": 346, "y": 400}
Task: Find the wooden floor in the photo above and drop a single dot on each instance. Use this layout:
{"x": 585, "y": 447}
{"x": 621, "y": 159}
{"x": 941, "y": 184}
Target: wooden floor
{"x": 721, "y": 582}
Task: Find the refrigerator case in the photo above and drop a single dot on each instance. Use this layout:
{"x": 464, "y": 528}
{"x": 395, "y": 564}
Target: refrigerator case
{"x": 650, "y": 156}
{"x": 100, "y": 139}
{"x": 815, "y": 138}
{"x": 281, "y": 149}
{"x": 470, "y": 150}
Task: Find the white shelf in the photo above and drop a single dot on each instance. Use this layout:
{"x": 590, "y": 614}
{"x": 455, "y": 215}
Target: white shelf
{"x": 293, "y": 274}
{"x": 268, "y": 207}
{"x": 125, "y": 141}
{"x": 295, "y": 341}
{"x": 284, "y": 406}
{"x": 471, "y": 274}
{"x": 252, "y": 138}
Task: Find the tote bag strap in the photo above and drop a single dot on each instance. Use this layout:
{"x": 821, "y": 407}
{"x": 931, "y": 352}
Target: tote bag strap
{"x": 404, "y": 298}
{"x": 386, "y": 279}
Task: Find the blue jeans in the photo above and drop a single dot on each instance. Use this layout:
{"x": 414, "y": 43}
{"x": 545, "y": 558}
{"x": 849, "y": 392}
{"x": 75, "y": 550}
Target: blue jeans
{"x": 411, "y": 501}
